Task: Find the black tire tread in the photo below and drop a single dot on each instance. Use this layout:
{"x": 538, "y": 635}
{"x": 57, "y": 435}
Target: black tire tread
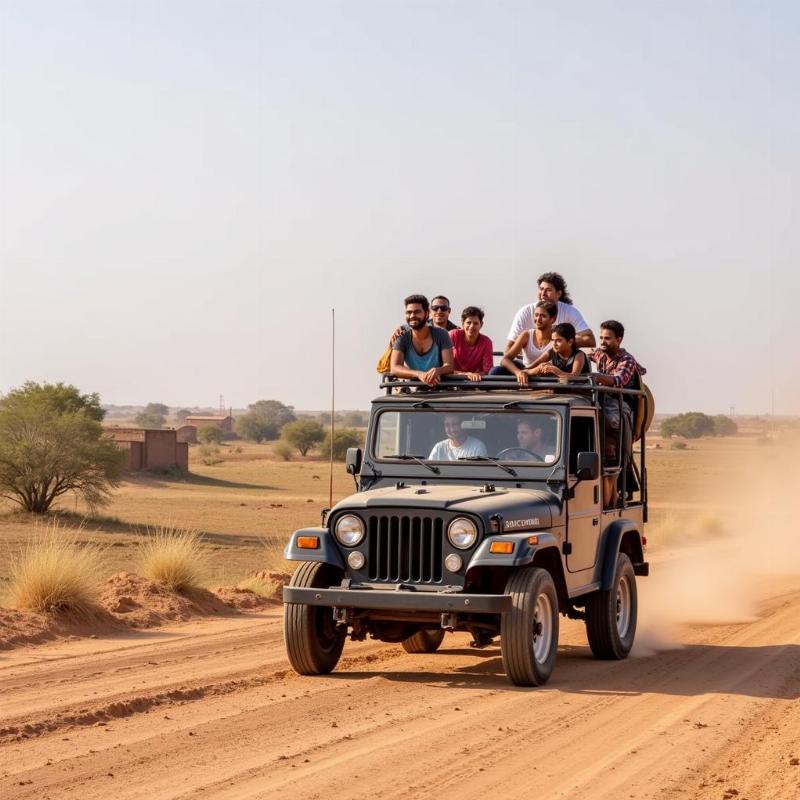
{"x": 524, "y": 586}
{"x": 601, "y": 627}
{"x": 298, "y": 627}
{"x": 424, "y": 641}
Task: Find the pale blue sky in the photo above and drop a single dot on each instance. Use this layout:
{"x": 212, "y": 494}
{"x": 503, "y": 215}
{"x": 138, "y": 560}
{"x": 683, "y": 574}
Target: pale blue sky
{"x": 187, "y": 188}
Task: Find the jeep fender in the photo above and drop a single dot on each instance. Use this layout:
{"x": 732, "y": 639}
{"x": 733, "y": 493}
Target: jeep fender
{"x": 523, "y": 553}
{"x": 327, "y": 552}
{"x": 618, "y": 530}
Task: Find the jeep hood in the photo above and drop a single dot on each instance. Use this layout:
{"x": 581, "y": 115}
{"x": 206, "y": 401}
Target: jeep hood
{"x": 523, "y": 508}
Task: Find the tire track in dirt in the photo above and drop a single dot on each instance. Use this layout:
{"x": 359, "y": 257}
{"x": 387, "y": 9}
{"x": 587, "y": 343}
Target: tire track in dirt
{"x": 389, "y": 724}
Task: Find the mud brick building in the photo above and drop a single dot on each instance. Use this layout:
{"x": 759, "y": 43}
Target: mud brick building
{"x": 225, "y": 422}
{"x": 149, "y": 448}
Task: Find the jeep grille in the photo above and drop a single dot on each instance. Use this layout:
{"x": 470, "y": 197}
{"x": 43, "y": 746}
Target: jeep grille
{"x": 405, "y": 549}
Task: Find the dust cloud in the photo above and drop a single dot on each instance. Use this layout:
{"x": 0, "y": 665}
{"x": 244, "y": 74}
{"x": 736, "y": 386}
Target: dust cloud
{"x": 718, "y": 564}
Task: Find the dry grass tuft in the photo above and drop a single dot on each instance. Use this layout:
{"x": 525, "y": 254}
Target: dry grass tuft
{"x": 173, "y": 557}
{"x": 258, "y": 585}
{"x": 54, "y": 572}
{"x": 272, "y": 556}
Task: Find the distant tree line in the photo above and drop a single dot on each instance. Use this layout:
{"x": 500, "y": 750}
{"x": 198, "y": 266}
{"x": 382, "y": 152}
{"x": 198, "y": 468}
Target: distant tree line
{"x": 694, "y": 424}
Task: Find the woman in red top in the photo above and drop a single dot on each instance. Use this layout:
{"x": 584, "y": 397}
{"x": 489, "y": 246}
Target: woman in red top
{"x": 472, "y": 351}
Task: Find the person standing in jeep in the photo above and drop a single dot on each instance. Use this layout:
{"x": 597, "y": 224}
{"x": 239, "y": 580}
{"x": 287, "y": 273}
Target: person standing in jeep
{"x": 615, "y": 367}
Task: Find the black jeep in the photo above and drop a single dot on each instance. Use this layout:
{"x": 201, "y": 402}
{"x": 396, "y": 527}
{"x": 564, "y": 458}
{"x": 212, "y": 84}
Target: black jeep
{"x": 499, "y": 534}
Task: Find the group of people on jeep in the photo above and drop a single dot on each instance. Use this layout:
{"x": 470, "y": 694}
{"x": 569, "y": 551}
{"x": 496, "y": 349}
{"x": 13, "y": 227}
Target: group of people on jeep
{"x": 545, "y": 339}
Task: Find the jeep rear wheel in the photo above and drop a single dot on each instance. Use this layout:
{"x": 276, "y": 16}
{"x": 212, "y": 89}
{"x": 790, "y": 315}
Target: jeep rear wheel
{"x": 313, "y": 642}
{"x": 611, "y": 615}
{"x": 424, "y": 641}
{"x": 529, "y": 632}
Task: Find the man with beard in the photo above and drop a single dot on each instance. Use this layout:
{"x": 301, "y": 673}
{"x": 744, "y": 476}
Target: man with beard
{"x": 615, "y": 367}
{"x": 421, "y": 351}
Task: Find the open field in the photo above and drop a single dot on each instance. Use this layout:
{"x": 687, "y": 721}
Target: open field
{"x": 707, "y": 707}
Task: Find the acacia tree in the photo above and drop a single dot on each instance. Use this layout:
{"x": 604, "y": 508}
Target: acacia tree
{"x": 152, "y": 416}
{"x": 303, "y": 434}
{"x": 264, "y": 419}
{"x": 52, "y": 443}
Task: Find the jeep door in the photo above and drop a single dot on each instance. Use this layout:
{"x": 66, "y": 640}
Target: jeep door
{"x": 583, "y": 508}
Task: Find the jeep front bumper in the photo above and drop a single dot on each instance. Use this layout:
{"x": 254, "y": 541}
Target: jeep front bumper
{"x": 399, "y": 600}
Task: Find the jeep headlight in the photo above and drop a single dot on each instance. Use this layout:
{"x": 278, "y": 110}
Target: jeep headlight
{"x": 349, "y": 530}
{"x": 462, "y": 533}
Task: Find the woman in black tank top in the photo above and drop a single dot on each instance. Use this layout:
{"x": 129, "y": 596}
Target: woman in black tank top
{"x": 565, "y": 358}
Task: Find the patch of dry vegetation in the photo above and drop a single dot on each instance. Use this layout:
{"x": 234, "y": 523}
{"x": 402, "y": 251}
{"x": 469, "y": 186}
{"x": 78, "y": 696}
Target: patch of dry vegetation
{"x": 54, "y": 572}
{"x": 173, "y": 557}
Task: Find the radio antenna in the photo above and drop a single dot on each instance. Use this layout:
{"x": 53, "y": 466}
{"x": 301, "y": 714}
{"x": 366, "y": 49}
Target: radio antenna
{"x": 333, "y": 401}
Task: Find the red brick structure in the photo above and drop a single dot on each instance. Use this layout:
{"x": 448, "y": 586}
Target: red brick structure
{"x": 225, "y": 422}
{"x": 151, "y": 449}
{"x": 187, "y": 433}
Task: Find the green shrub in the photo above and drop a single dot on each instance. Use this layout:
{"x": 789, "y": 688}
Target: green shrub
{"x": 211, "y": 434}
{"x": 283, "y": 450}
{"x": 342, "y": 439}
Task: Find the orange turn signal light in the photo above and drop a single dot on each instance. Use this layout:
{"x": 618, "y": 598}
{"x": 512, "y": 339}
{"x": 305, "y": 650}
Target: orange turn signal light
{"x": 308, "y": 542}
{"x": 533, "y": 540}
{"x": 501, "y": 547}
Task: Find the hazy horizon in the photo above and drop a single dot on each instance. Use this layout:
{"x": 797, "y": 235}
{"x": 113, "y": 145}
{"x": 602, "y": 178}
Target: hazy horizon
{"x": 188, "y": 189}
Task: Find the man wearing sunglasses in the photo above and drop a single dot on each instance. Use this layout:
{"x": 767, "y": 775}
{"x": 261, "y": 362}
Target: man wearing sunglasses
{"x": 440, "y": 313}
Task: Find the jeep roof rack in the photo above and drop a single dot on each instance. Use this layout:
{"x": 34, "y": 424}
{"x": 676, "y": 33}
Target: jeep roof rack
{"x": 578, "y": 384}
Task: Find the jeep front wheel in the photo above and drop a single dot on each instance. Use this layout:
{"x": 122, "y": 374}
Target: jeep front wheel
{"x": 529, "y": 631}
{"x": 313, "y": 642}
{"x": 611, "y": 615}
{"x": 424, "y": 641}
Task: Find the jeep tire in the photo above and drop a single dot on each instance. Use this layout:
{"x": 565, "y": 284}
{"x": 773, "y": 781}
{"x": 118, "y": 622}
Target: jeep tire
{"x": 313, "y": 642}
{"x": 424, "y": 641}
{"x": 529, "y": 631}
{"x": 611, "y": 614}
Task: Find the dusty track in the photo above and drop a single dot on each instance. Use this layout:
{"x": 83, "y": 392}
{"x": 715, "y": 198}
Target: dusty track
{"x": 211, "y": 710}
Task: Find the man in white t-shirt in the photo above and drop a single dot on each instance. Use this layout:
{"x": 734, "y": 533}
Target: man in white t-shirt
{"x": 458, "y": 443}
{"x": 554, "y": 288}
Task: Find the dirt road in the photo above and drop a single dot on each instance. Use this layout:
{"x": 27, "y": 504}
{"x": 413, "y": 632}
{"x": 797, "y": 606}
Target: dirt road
{"x": 211, "y": 710}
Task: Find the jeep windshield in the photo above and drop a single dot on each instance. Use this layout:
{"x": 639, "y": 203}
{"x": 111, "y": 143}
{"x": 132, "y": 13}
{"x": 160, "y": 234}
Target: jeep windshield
{"x": 467, "y": 437}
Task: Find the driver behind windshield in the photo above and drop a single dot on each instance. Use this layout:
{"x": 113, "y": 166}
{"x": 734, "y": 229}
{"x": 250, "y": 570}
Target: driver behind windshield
{"x": 458, "y": 444}
{"x": 531, "y": 437}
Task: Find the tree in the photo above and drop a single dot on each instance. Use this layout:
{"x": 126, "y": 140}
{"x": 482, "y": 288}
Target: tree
{"x": 152, "y": 416}
{"x": 211, "y": 434}
{"x": 342, "y": 439}
{"x": 725, "y": 426}
{"x": 691, "y": 425}
{"x": 181, "y": 414}
{"x": 52, "y": 443}
{"x": 264, "y": 420}
{"x": 303, "y": 434}
{"x": 355, "y": 419}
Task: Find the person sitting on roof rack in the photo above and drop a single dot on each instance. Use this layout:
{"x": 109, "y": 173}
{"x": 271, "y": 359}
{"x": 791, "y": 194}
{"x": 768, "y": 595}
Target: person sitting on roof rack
{"x": 458, "y": 444}
{"x": 531, "y": 343}
{"x": 472, "y": 351}
{"x": 562, "y": 361}
{"x": 618, "y": 368}
{"x": 552, "y": 287}
{"x": 421, "y": 351}
{"x": 440, "y": 314}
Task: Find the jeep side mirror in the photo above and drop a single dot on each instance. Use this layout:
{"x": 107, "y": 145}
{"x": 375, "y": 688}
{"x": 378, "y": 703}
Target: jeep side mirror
{"x": 588, "y": 466}
{"x": 352, "y": 460}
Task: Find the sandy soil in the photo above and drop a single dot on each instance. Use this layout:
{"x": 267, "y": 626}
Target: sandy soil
{"x": 210, "y": 709}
